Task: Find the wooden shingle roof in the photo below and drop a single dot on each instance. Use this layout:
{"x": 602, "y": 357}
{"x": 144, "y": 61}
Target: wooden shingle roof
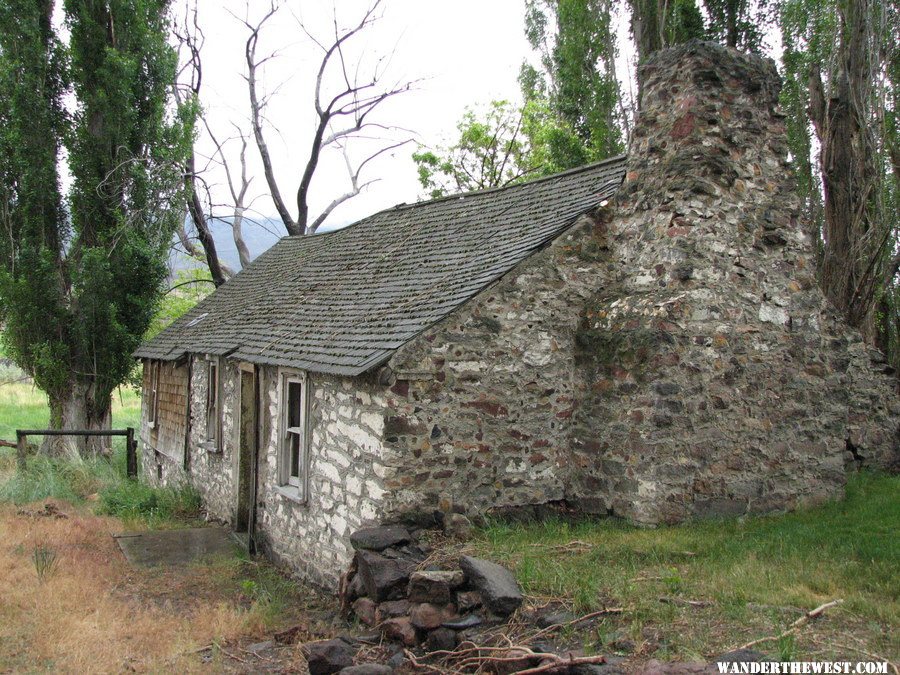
{"x": 344, "y": 301}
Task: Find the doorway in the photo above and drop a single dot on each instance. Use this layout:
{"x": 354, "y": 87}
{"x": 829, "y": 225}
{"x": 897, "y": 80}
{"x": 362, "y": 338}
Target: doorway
{"x": 245, "y": 516}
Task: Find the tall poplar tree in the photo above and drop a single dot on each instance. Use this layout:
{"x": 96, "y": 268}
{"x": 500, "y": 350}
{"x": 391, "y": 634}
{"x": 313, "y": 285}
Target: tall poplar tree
{"x": 841, "y": 80}
{"x": 80, "y": 275}
{"x": 577, "y": 81}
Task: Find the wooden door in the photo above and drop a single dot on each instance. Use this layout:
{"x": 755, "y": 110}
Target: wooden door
{"x": 247, "y": 456}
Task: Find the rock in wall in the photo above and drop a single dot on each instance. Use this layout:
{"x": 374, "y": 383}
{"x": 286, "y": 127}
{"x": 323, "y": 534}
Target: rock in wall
{"x": 714, "y": 377}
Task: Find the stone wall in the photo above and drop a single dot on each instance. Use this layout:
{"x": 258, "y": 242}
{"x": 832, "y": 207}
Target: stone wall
{"x": 714, "y": 378}
{"x": 670, "y": 356}
{"x": 347, "y": 464}
{"x": 482, "y": 404}
{"x": 347, "y": 470}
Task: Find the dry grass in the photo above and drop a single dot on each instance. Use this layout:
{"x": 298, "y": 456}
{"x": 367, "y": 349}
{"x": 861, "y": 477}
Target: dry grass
{"x": 93, "y": 613}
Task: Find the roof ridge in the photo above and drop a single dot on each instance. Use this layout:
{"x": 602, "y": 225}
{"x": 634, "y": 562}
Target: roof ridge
{"x": 472, "y": 193}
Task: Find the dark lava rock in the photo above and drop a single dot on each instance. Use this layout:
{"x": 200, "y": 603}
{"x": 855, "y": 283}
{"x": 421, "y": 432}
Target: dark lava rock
{"x": 441, "y": 639}
{"x": 398, "y": 661}
{"x": 328, "y": 656}
{"x": 740, "y": 656}
{"x": 364, "y": 608}
{"x": 400, "y": 630}
{"x": 368, "y": 669}
{"x": 380, "y": 538}
{"x": 434, "y": 586}
{"x": 355, "y": 588}
{"x": 613, "y": 666}
{"x": 496, "y": 584}
{"x": 466, "y": 601}
{"x": 427, "y": 616}
{"x": 392, "y": 608}
{"x": 383, "y": 578}
{"x": 457, "y": 526}
{"x": 469, "y": 621}
{"x": 555, "y": 619}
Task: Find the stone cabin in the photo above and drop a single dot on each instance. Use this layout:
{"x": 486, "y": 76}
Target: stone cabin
{"x": 643, "y": 338}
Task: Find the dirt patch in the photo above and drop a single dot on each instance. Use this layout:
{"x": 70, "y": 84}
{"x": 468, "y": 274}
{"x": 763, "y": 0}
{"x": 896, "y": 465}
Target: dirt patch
{"x": 92, "y": 612}
{"x": 175, "y": 547}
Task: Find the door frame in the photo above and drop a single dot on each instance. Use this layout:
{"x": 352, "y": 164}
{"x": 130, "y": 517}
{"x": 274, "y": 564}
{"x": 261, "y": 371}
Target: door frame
{"x": 253, "y": 477}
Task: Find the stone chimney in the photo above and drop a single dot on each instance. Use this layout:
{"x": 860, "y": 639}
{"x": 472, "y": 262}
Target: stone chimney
{"x": 714, "y": 377}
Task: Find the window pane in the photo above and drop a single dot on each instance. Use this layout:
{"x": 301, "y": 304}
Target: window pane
{"x": 212, "y": 395}
{"x": 293, "y": 402}
{"x": 294, "y": 440}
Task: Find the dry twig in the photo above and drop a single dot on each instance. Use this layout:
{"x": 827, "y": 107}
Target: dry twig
{"x": 874, "y": 657}
{"x": 685, "y": 602}
{"x": 797, "y": 625}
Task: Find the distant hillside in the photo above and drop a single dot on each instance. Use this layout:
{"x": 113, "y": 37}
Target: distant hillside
{"x": 259, "y": 237}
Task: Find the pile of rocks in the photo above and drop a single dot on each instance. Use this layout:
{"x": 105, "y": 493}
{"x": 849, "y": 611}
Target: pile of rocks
{"x": 390, "y": 588}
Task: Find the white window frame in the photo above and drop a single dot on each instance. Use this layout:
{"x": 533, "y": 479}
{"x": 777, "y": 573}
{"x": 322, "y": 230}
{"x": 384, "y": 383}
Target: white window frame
{"x": 214, "y": 403}
{"x": 297, "y": 486}
{"x": 153, "y": 413}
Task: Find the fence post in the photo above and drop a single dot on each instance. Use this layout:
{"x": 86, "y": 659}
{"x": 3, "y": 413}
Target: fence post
{"x": 130, "y": 453}
{"x": 21, "y": 447}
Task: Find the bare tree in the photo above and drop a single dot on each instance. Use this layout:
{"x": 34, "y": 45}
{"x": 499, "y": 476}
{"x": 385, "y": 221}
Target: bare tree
{"x": 187, "y": 85}
{"x": 238, "y": 190}
{"x": 339, "y": 117}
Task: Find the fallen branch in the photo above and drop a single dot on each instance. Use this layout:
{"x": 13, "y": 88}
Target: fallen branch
{"x": 232, "y": 656}
{"x": 797, "y": 625}
{"x": 686, "y": 603}
{"x": 560, "y": 662}
{"x": 874, "y": 657}
{"x": 586, "y": 617}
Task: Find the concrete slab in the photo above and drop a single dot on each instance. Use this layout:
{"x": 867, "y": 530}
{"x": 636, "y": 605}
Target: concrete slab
{"x": 175, "y": 547}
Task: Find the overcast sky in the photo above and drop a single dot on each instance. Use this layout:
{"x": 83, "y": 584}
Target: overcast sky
{"x": 464, "y": 52}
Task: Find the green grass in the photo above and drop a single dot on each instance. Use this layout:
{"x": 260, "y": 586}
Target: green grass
{"x": 848, "y": 549}
{"x": 101, "y": 479}
{"x": 138, "y": 503}
{"x": 24, "y": 406}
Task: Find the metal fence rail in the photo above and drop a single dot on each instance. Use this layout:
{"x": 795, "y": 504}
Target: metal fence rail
{"x": 128, "y": 432}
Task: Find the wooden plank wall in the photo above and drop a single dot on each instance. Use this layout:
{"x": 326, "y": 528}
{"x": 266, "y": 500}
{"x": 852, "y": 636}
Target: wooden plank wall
{"x": 169, "y": 433}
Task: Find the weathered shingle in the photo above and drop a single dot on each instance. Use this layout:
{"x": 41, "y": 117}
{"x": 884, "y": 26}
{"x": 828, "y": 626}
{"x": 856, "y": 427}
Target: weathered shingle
{"x": 342, "y": 302}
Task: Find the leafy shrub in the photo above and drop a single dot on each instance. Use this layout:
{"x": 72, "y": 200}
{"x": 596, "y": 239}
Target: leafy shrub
{"x": 133, "y": 500}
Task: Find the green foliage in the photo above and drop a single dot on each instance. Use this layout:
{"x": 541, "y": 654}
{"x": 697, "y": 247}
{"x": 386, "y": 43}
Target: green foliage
{"x": 844, "y": 549}
{"x": 77, "y": 481}
{"x": 811, "y": 34}
{"x": 79, "y": 285}
{"x": 740, "y": 23}
{"x": 577, "y": 111}
{"x": 48, "y": 477}
{"x": 492, "y": 150}
{"x": 132, "y": 501}
{"x": 188, "y": 288}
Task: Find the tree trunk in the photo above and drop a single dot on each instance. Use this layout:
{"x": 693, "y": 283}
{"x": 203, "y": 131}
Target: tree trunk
{"x": 647, "y": 27}
{"x": 78, "y": 410}
{"x": 237, "y": 232}
{"x": 853, "y": 241}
